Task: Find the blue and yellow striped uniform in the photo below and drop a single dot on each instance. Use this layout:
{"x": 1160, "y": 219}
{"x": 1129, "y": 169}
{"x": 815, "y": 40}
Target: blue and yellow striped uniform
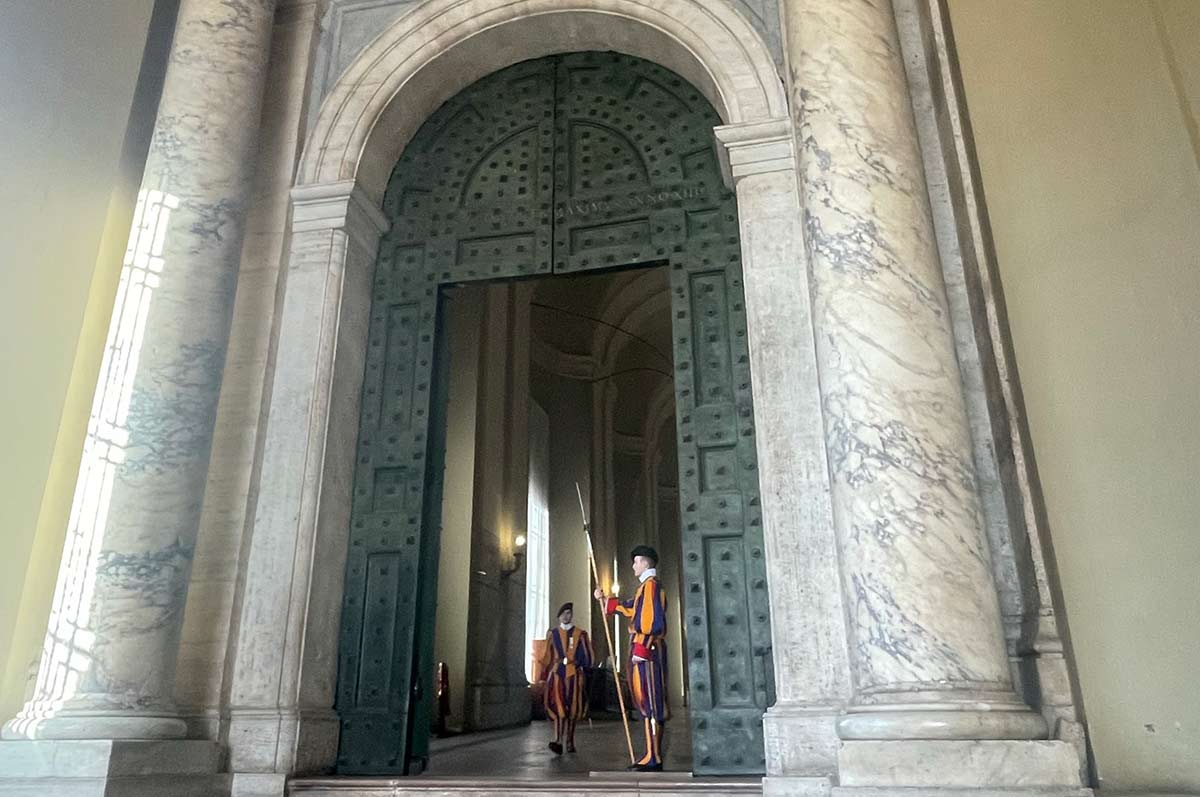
{"x": 568, "y": 652}
{"x": 647, "y": 613}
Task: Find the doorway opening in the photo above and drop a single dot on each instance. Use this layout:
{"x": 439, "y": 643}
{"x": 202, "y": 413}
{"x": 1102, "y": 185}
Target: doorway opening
{"x": 561, "y": 238}
{"x": 574, "y": 376}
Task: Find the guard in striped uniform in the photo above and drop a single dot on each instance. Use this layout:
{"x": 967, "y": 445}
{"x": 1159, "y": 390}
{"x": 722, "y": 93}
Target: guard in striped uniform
{"x": 647, "y": 613}
{"x": 568, "y": 656}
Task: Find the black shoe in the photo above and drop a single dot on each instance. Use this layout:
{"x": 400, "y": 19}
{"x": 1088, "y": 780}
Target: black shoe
{"x": 570, "y": 747}
{"x": 644, "y": 768}
{"x": 555, "y": 747}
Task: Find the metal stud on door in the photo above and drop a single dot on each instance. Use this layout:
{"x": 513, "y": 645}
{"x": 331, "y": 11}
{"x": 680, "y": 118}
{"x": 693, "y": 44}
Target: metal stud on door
{"x": 728, "y": 634}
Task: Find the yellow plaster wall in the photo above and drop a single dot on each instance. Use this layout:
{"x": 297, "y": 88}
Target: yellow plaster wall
{"x": 1084, "y": 114}
{"x": 67, "y": 77}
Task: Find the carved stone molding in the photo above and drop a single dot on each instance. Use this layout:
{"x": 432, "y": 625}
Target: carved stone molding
{"x": 755, "y": 148}
{"x": 338, "y": 206}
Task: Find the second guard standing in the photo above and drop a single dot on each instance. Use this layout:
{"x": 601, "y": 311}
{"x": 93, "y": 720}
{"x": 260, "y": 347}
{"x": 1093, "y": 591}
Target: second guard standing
{"x": 568, "y": 656}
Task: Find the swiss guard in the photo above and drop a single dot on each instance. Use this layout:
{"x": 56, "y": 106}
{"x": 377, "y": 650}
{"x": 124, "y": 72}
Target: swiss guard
{"x": 568, "y": 655}
{"x": 647, "y": 613}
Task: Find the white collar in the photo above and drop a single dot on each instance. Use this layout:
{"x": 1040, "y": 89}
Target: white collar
{"x": 647, "y": 573}
{"x": 567, "y": 627}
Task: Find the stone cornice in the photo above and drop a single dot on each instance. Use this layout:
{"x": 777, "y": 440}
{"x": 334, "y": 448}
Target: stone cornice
{"x": 342, "y": 205}
{"x": 755, "y": 148}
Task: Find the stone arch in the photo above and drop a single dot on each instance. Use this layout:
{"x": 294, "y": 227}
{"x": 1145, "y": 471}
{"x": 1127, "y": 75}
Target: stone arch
{"x": 430, "y": 54}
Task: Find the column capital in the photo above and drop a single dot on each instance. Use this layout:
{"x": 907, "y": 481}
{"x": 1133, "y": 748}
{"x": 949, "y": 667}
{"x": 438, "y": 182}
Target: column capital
{"x": 342, "y": 205}
{"x": 755, "y": 148}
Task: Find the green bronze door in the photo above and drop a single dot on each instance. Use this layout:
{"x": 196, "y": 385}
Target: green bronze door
{"x": 570, "y": 163}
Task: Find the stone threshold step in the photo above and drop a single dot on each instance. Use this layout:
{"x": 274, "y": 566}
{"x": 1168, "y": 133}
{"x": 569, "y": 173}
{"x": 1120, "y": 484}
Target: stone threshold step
{"x": 635, "y": 783}
{"x": 925, "y": 791}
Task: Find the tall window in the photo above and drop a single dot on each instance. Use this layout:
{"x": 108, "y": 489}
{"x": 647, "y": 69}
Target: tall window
{"x": 537, "y": 574}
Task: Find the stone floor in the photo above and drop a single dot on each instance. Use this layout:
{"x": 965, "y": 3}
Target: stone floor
{"x": 517, "y": 761}
{"x": 522, "y": 753}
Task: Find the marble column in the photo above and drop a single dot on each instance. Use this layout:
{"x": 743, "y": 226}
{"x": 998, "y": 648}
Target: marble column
{"x": 927, "y": 649}
{"x": 108, "y": 663}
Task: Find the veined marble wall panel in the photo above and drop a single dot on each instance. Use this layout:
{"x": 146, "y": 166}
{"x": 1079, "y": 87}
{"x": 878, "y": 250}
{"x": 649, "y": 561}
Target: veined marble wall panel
{"x": 214, "y": 578}
{"x": 346, "y": 28}
{"x": 764, "y": 16}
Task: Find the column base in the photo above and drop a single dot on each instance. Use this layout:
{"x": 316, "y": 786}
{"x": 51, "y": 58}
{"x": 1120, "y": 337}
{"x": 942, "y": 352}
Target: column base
{"x": 68, "y": 725}
{"x": 950, "y": 721}
{"x": 270, "y": 741}
{"x": 111, "y": 768}
{"x": 801, "y": 741}
{"x": 258, "y": 785}
{"x": 491, "y": 706}
{"x": 777, "y": 786}
{"x": 961, "y": 765}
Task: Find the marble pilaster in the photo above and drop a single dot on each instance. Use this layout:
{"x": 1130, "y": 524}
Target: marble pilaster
{"x": 812, "y": 680}
{"x": 241, "y": 424}
{"x": 281, "y": 683}
{"x": 108, "y": 663}
{"x": 926, "y": 645}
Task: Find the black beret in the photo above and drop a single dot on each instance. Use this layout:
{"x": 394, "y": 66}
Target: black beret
{"x": 646, "y": 551}
{"x": 568, "y": 606}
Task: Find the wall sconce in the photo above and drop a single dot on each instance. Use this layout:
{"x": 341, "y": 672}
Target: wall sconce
{"x": 518, "y": 557}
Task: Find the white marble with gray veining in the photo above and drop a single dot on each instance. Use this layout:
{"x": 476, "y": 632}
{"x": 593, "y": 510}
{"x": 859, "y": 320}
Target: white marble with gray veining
{"x": 109, "y": 661}
{"x": 915, "y": 562}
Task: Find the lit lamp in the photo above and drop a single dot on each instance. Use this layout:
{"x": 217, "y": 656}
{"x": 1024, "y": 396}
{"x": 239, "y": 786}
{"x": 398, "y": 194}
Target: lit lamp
{"x": 518, "y": 556}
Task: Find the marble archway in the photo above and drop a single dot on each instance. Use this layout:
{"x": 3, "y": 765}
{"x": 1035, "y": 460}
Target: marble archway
{"x": 287, "y": 638}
